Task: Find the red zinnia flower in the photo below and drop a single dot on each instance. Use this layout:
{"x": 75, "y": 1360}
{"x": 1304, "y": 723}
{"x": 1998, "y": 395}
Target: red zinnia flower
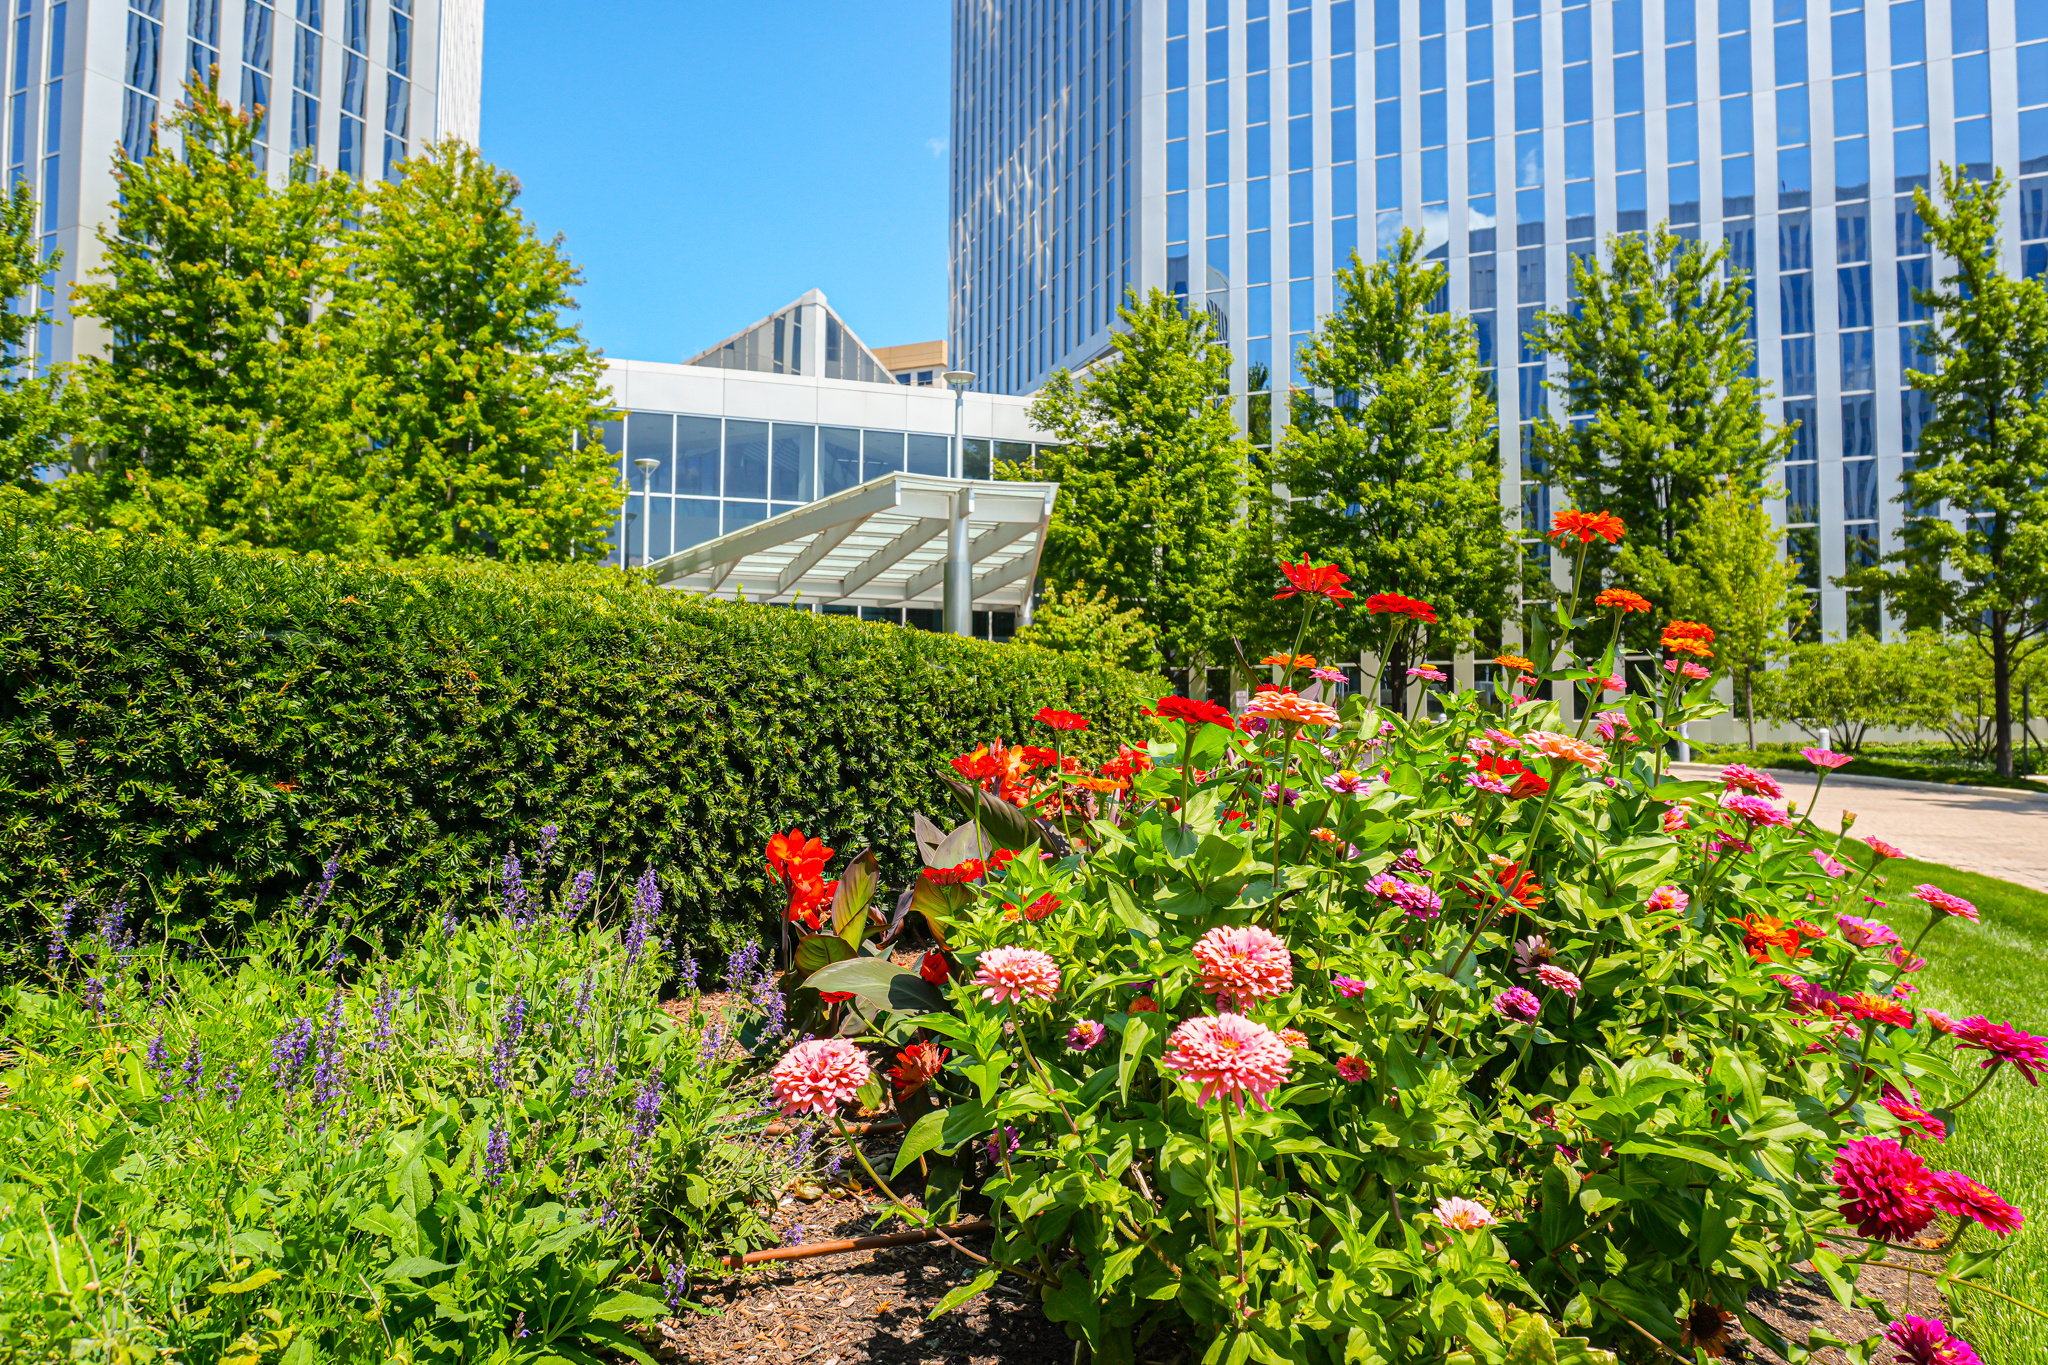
{"x": 1061, "y": 720}
{"x": 1586, "y": 527}
{"x": 1318, "y": 580}
{"x": 1526, "y": 783}
{"x": 1886, "y": 1190}
{"x": 1127, "y": 764}
{"x": 1194, "y": 712}
{"x": 916, "y": 1067}
{"x": 1395, "y": 604}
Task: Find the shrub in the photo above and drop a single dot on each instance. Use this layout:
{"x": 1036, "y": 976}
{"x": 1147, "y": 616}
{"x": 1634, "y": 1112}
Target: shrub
{"x": 462, "y": 1153}
{"x": 206, "y": 726}
{"x": 1322, "y": 1037}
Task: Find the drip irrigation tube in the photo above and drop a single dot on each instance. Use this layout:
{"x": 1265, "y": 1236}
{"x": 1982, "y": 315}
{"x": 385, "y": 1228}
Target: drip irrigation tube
{"x": 845, "y": 1245}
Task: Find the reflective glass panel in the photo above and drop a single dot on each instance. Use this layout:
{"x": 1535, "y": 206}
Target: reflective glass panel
{"x": 746, "y": 459}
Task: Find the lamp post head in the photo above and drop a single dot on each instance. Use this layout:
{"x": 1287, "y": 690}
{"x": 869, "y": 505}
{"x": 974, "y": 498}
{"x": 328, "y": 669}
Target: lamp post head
{"x": 957, "y": 380}
{"x": 644, "y": 463}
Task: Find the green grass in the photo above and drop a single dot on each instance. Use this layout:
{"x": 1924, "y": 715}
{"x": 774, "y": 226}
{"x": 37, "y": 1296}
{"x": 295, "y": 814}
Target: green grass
{"x": 1867, "y": 764}
{"x": 1998, "y": 968}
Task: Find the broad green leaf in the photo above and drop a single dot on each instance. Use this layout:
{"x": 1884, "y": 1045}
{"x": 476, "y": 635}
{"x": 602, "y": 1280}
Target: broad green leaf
{"x": 928, "y": 1134}
{"x": 960, "y": 1294}
{"x": 879, "y": 984}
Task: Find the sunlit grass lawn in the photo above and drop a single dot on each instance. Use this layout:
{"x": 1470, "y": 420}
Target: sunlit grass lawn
{"x": 1998, "y": 968}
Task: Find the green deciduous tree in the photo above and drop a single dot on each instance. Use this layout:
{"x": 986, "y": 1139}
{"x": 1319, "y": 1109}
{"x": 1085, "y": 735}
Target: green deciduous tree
{"x": 474, "y": 387}
{"x": 1729, "y": 570}
{"x": 1655, "y": 358}
{"x": 1982, "y": 569}
{"x": 218, "y": 411}
{"x": 1097, "y": 627}
{"x": 1397, "y": 478}
{"x": 32, "y": 413}
{"x": 1152, "y": 477}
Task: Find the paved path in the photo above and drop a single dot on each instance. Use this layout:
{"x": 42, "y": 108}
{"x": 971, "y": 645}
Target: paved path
{"x": 1979, "y": 829}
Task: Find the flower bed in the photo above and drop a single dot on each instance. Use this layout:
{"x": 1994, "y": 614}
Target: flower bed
{"x": 1318, "y": 1033}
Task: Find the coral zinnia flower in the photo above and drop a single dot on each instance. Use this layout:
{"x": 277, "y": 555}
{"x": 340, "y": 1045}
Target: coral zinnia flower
{"x": 1926, "y": 1341}
{"x": 1622, "y": 600}
{"x": 1886, "y": 1190}
{"x": 1021, "y": 974}
{"x": 1281, "y": 704}
{"x": 1566, "y": 749}
{"x": 1396, "y": 604}
{"x": 1961, "y": 1197}
{"x": 1518, "y": 1005}
{"x": 1061, "y": 720}
{"x": 1558, "y": 979}
{"x": 1883, "y": 849}
{"x": 1943, "y": 903}
{"x": 2027, "y": 1051}
{"x": 819, "y": 1075}
{"x": 1515, "y": 662}
{"x": 1827, "y": 758}
{"x": 1192, "y": 711}
{"x": 1243, "y": 965}
{"x": 1229, "y": 1055}
{"x": 1586, "y": 527}
{"x": 1317, "y": 580}
{"x": 1463, "y": 1215}
{"x": 1740, "y": 777}
{"x": 915, "y": 1068}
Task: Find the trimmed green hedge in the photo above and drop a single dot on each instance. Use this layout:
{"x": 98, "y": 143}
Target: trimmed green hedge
{"x": 206, "y": 725}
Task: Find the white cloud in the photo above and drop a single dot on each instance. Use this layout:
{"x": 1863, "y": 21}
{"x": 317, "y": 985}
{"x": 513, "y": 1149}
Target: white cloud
{"x": 936, "y": 146}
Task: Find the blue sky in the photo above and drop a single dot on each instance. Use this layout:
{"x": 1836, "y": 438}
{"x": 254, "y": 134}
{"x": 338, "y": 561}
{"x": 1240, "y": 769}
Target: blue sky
{"x": 708, "y": 162}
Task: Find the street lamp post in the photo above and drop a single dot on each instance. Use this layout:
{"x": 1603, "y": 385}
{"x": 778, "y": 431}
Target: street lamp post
{"x": 959, "y": 598}
{"x": 646, "y": 467}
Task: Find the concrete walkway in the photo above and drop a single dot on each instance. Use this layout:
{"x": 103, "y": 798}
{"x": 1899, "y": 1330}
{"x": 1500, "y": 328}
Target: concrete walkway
{"x": 1979, "y": 829}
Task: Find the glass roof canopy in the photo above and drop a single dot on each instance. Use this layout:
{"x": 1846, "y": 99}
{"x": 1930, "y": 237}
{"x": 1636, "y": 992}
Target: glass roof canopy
{"x": 881, "y": 544}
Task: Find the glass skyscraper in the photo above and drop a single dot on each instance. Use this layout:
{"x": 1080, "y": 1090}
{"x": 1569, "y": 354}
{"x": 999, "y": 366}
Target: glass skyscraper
{"x": 1235, "y": 152}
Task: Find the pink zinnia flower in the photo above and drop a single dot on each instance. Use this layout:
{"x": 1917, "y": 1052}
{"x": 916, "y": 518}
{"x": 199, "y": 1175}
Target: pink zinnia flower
{"x": 1463, "y": 1215}
{"x": 1328, "y": 675}
{"x": 1883, "y": 849}
{"x": 1912, "y": 1118}
{"x": 1807, "y": 996}
{"x": 1755, "y": 809}
{"x": 1085, "y": 1035}
{"x": 1675, "y": 821}
{"x": 1943, "y": 903}
{"x": 1294, "y": 1038}
{"x": 1228, "y": 1055}
{"x": 1826, "y": 758}
{"x": 1832, "y": 866}
{"x": 1924, "y": 1341}
{"x": 1352, "y": 1069}
{"x": 1886, "y": 1190}
{"x": 1495, "y": 786}
{"x": 1428, "y": 674}
{"x": 1558, "y": 979}
{"x": 1504, "y": 739}
{"x": 1691, "y": 672}
{"x": 1517, "y": 1004}
{"x": 1350, "y": 987}
{"x": 1667, "y": 898}
{"x": 1904, "y": 960}
{"x": 1612, "y": 684}
{"x": 1865, "y": 933}
{"x": 2027, "y": 1051}
{"x": 1345, "y": 782}
{"x": 1020, "y": 974}
{"x": 1741, "y": 777}
{"x": 1418, "y": 901}
{"x": 818, "y": 1076}
{"x": 1961, "y": 1197}
{"x": 1243, "y": 965}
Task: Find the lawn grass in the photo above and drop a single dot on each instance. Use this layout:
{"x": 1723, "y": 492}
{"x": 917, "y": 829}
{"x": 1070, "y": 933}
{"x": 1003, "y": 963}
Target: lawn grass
{"x": 1867, "y": 764}
{"x": 1998, "y": 968}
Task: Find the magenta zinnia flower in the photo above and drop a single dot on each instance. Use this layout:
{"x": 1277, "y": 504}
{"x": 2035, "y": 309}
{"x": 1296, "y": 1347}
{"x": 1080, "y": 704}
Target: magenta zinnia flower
{"x": 1463, "y": 1215}
{"x": 1755, "y": 809}
{"x": 1865, "y": 933}
{"x": 1085, "y": 1035}
{"x": 1345, "y": 782}
{"x": 1558, "y": 979}
{"x": 1912, "y": 1118}
{"x": 1826, "y": 758}
{"x": 1943, "y": 903}
{"x": 1667, "y": 898}
{"x": 1886, "y": 1190}
{"x": 1352, "y": 1070}
{"x": 1925, "y": 1341}
{"x": 1958, "y": 1195}
{"x": 819, "y": 1075}
{"x": 1020, "y": 974}
{"x": 1517, "y": 1004}
{"x": 1741, "y": 777}
{"x": 1240, "y": 966}
{"x": 1828, "y": 864}
{"x": 1229, "y": 1055}
{"x": 2027, "y": 1051}
{"x": 1350, "y": 987}
{"x": 1419, "y": 901}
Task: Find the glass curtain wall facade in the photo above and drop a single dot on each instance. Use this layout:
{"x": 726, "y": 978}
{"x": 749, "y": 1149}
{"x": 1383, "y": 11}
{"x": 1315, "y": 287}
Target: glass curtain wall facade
{"x": 1516, "y": 134}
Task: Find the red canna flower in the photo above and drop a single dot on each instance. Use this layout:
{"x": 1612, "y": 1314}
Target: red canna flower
{"x": 1317, "y": 580}
{"x": 1395, "y": 604}
{"x": 916, "y": 1067}
{"x": 935, "y": 969}
{"x": 1586, "y": 527}
{"x": 1061, "y": 720}
{"x": 971, "y": 870}
{"x": 791, "y": 850}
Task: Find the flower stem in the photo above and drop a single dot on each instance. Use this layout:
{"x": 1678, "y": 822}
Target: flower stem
{"x": 1236, "y": 1193}
{"x": 917, "y": 1217}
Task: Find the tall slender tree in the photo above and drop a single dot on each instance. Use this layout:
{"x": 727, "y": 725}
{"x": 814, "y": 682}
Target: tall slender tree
{"x": 479, "y": 394}
{"x": 1152, "y": 476}
{"x": 33, "y": 415}
{"x": 1654, "y": 361}
{"x": 1397, "y": 476}
{"x": 1980, "y": 566}
{"x": 216, "y": 412}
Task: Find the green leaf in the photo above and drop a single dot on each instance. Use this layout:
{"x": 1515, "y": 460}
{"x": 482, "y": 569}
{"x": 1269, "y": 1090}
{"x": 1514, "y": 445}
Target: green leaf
{"x": 856, "y": 891}
{"x": 629, "y": 1304}
{"x": 249, "y": 1285}
{"x": 815, "y": 952}
{"x": 412, "y": 1267}
{"x": 879, "y": 984}
{"x": 1138, "y": 1034}
{"x": 928, "y": 1134}
{"x": 960, "y": 1294}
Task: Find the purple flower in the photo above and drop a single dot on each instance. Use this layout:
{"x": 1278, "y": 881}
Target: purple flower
{"x": 579, "y": 896}
{"x": 1418, "y": 901}
{"x": 579, "y": 1084}
{"x": 770, "y": 1001}
{"x": 647, "y": 1110}
{"x": 676, "y": 1287}
{"x": 1530, "y": 953}
{"x": 386, "y": 1007}
{"x": 228, "y": 1088}
{"x": 96, "y": 996}
{"x": 511, "y": 1026}
{"x": 1285, "y": 796}
{"x": 739, "y": 967}
{"x": 550, "y": 835}
{"x": 194, "y": 1075}
{"x": 686, "y": 974}
{"x": 497, "y": 1155}
{"x": 288, "y": 1053}
{"x": 646, "y": 909}
{"x": 334, "y": 958}
{"x": 1002, "y": 1143}
{"x": 328, "y": 1077}
{"x": 1518, "y": 1005}
{"x": 793, "y": 1236}
{"x": 159, "y": 1059}
{"x": 712, "y": 1044}
{"x": 518, "y": 900}
{"x": 582, "y": 1009}
{"x": 60, "y": 934}
{"x": 311, "y": 902}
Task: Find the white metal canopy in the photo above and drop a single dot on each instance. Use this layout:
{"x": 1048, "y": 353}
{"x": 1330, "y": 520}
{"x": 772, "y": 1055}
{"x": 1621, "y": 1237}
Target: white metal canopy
{"x": 881, "y": 544}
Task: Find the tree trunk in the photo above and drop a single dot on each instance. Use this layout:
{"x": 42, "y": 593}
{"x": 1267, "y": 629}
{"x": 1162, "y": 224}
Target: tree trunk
{"x": 1397, "y": 675}
{"x": 2001, "y": 693}
{"x": 1749, "y": 703}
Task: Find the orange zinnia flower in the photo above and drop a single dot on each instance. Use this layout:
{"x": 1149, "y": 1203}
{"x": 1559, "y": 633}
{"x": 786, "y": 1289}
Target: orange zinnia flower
{"x": 1280, "y": 704}
{"x": 1763, "y": 934}
{"x": 1586, "y": 527}
{"x": 1622, "y": 599}
{"x": 1516, "y": 662}
{"x": 1689, "y": 637}
{"x": 1290, "y": 660}
{"x": 1565, "y": 748}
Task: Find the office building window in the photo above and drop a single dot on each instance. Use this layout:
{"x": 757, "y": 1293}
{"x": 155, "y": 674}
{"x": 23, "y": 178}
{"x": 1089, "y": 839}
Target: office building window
{"x": 140, "y": 76}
